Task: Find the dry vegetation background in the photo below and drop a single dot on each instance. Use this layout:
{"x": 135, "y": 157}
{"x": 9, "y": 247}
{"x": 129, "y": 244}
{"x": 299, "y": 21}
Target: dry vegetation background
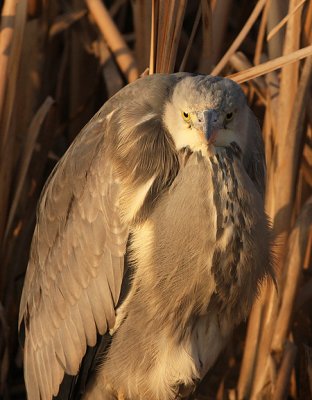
{"x": 61, "y": 59}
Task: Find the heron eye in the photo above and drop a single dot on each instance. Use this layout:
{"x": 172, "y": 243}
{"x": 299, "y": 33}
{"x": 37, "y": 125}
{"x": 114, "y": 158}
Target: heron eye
{"x": 186, "y": 116}
{"x": 229, "y": 116}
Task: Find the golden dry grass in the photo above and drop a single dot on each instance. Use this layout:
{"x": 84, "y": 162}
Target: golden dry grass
{"x": 60, "y": 60}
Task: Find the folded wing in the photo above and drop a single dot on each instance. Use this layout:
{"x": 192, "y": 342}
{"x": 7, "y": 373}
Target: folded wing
{"x": 76, "y": 264}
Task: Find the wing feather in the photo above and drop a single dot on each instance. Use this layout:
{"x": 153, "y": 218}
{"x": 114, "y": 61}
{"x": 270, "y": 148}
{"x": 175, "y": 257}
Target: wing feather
{"x": 77, "y": 320}
{"x": 47, "y": 325}
{"x": 105, "y": 296}
{"x": 76, "y": 265}
{"x": 70, "y": 339}
{"x": 59, "y": 306}
{"x": 75, "y": 270}
{"x": 58, "y": 348}
{"x": 64, "y": 284}
{"x": 41, "y": 370}
{"x": 75, "y": 287}
{"x": 87, "y": 315}
{"x": 30, "y": 373}
{"x": 47, "y": 373}
{"x": 57, "y": 372}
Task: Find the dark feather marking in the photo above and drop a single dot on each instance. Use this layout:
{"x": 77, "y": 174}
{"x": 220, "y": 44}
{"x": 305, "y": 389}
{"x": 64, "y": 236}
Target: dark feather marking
{"x": 69, "y": 209}
{"x": 236, "y": 150}
{"x": 228, "y": 266}
{"x": 229, "y": 153}
{"x": 230, "y": 193}
{"x": 184, "y": 155}
{"x": 216, "y": 198}
{"x": 241, "y": 220}
{"x": 254, "y": 159}
{"x": 235, "y": 184}
{"x": 222, "y": 166}
{"x": 233, "y": 271}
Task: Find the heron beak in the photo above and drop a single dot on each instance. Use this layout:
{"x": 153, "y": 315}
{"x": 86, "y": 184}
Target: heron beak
{"x": 208, "y": 123}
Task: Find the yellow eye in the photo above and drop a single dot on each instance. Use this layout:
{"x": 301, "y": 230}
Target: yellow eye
{"x": 186, "y": 116}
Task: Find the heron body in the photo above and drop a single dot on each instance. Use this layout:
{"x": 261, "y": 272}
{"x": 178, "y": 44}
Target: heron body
{"x": 168, "y": 176}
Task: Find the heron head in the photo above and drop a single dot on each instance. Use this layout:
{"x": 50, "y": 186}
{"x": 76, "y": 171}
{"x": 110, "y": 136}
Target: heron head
{"x": 206, "y": 110}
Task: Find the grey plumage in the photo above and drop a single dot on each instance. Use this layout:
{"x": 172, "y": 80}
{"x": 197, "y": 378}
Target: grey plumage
{"x": 198, "y": 246}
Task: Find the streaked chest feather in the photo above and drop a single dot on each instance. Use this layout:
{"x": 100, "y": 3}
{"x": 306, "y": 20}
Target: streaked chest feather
{"x": 196, "y": 271}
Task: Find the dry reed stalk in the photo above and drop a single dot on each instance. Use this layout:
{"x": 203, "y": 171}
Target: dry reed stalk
{"x": 4, "y": 353}
{"x": 179, "y": 13}
{"x": 306, "y": 169}
{"x": 7, "y": 139}
{"x": 277, "y": 10}
{"x": 113, "y": 79}
{"x": 290, "y": 161}
{"x": 267, "y": 132}
{"x": 295, "y": 132}
{"x": 240, "y": 62}
{"x": 220, "y": 13}
{"x": 273, "y": 85}
{"x": 174, "y": 13}
{"x": 6, "y": 36}
{"x": 308, "y": 254}
{"x": 286, "y": 165}
{"x": 268, "y": 120}
{"x": 239, "y": 39}
{"x": 142, "y": 25}
{"x": 80, "y": 63}
{"x": 306, "y": 164}
{"x": 33, "y": 8}
{"x": 289, "y": 74}
{"x": 279, "y": 206}
{"x": 282, "y": 382}
{"x": 29, "y": 80}
{"x": 29, "y": 146}
{"x": 114, "y": 39}
{"x": 154, "y": 24}
{"x": 191, "y": 39}
{"x": 307, "y": 29}
{"x": 271, "y": 65}
{"x": 288, "y": 158}
{"x": 277, "y": 28}
{"x": 305, "y": 293}
{"x": 63, "y": 22}
{"x": 250, "y": 352}
{"x": 205, "y": 63}
{"x": 116, "y": 6}
{"x": 170, "y": 19}
{"x": 261, "y": 33}
{"x": 263, "y": 366}
{"x": 293, "y": 385}
{"x": 296, "y": 248}
{"x": 161, "y": 21}
{"x": 308, "y": 354}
